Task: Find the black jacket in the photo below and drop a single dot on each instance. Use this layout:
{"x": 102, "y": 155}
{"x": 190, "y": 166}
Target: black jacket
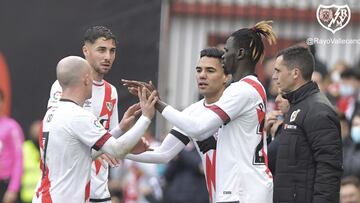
{"x": 309, "y": 156}
{"x": 272, "y": 150}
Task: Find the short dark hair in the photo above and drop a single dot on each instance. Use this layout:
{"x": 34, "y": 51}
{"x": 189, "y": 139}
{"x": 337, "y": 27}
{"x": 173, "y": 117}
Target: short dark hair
{"x": 350, "y": 180}
{"x": 299, "y": 57}
{"x": 250, "y": 39}
{"x": 213, "y": 52}
{"x": 95, "y": 32}
{"x": 351, "y": 73}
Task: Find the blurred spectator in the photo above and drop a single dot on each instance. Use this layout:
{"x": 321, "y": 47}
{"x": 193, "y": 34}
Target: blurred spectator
{"x": 349, "y": 92}
{"x": 318, "y": 78}
{"x": 185, "y": 178}
{"x": 345, "y": 129}
{"x": 352, "y": 151}
{"x": 11, "y": 160}
{"x": 338, "y": 68}
{"x": 350, "y": 190}
{"x": 273, "y": 125}
{"x": 269, "y": 69}
{"x": 332, "y": 81}
{"x": 271, "y": 101}
{"x": 31, "y": 154}
{"x": 269, "y": 84}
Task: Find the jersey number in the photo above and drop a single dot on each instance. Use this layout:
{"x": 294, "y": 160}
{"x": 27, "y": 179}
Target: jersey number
{"x": 258, "y": 156}
{"x": 45, "y": 140}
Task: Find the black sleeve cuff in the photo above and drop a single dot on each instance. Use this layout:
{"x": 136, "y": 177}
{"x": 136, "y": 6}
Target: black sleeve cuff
{"x": 183, "y": 138}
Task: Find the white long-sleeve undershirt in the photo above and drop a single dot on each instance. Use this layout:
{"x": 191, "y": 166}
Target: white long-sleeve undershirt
{"x": 169, "y": 148}
{"x": 199, "y": 127}
{"x": 119, "y": 147}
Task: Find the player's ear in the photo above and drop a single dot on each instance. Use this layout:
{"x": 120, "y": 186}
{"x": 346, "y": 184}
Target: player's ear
{"x": 85, "y": 50}
{"x": 86, "y": 79}
{"x": 296, "y": 73}
{"x": 228, "y": 79}
{"x": 241, "y": 54}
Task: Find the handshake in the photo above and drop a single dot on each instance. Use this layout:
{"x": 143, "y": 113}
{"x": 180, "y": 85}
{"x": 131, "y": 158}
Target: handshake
{"x": 148, "y": 89}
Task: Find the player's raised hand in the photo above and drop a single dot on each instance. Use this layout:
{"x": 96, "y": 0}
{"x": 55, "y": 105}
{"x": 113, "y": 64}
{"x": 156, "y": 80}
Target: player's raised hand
{"x": 133, "y": 83}
{"x": 133, "y": 90}
{"x": 147, "y": 103}
{"x": 109, "y": 159}
{"x": 128, "y": 119}
{"x": 141, "y": 146}
{"x": 132, "y": 86}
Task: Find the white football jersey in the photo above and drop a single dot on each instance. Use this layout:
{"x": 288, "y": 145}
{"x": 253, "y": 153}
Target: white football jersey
{"x": 241, "y": 169}
{"x": 68, "y": 134}
{"x": 103, "y": 104}
{"x": 209, "y": 158}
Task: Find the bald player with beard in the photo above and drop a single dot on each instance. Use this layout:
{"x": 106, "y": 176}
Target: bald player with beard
{"x": 69, "y": 132}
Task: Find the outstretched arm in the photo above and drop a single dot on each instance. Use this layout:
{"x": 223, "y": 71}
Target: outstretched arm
{"x": 200, "y": 128}
{"x": 121, "y": 146}
{"x": 168, "y": 149}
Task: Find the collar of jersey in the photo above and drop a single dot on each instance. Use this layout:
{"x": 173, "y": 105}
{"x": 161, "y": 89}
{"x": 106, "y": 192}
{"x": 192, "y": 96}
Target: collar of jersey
{"x": 68, "y": 100}
{"x": 97, "y": 83}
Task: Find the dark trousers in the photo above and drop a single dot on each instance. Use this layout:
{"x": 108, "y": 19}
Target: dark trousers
{"x": 3, "y": 187}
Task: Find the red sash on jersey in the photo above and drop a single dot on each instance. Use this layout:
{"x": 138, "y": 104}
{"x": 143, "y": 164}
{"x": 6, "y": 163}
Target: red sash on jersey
{"x": 261, "y": 115}
{"x": 108, "y": 104}
{"x": 210, "y": 174}
{"x": 45, "y": 184}
{"x": 107, "y": 109}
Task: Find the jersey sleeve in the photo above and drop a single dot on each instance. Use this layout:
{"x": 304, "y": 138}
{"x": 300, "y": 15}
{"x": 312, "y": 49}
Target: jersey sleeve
{"x": 177, "y": 132}
{"x": 114, "y": 119}
{"x": 169, "y": 148}
{"x": 55, "y": 94}
{"x": 199, "y": 127}
{"x": 236, "y": 99}
{"x": 89, "y": 131}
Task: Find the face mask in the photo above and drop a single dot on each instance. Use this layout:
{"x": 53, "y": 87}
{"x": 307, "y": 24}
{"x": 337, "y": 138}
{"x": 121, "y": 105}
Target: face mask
{"x": 355, "y": 134}
{"x": 335, "y": 77}
{"x": 346, "y": 90}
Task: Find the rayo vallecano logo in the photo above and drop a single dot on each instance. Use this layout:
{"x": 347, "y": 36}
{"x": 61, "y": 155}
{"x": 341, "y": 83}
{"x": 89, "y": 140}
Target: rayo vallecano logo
{"x": 333, "y": 17}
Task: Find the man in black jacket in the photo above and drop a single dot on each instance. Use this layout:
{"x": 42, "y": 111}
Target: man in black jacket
{"x": 309, "y": 156}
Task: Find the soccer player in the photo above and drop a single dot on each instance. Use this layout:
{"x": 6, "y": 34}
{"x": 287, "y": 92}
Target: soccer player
{"x": 69, "y": 132}
{"x": 99, "y": 50}
{"x": 212, "y": 80}
{"x": 241, "y": 171}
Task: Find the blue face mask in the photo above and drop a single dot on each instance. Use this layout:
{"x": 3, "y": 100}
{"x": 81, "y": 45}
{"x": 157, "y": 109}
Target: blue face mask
{"x": 346, "y": 90}
{"x": 355, "y": 134}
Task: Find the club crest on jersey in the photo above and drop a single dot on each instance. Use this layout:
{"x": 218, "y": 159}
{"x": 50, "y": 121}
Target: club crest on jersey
{"x": 109, "y": 106}
{"x": 333, "y": 17}
{"x": 294, "y": 115}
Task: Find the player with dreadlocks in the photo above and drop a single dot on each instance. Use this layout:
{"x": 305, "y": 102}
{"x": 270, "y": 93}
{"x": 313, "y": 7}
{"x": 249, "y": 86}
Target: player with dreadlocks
{"x": 241, "y": 170}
